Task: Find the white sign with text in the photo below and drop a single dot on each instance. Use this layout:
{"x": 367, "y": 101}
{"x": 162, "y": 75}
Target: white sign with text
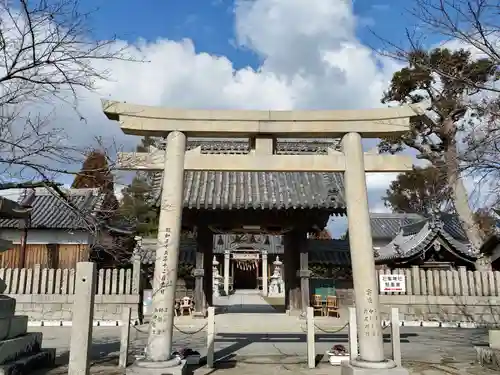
{"x": 392, "y": 283}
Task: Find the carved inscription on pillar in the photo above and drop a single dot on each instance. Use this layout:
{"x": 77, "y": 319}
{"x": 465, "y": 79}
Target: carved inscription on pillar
{"x": 370, "y": 316}
{"x": 159, "y": 317}
{"x": 165, "y": 281}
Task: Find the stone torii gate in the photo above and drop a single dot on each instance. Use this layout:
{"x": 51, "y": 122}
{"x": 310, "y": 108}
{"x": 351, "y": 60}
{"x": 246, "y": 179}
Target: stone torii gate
{"x": 264, "y": 127}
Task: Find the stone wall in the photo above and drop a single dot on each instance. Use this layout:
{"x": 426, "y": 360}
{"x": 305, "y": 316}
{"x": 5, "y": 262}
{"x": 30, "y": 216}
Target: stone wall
{"x": 48, "y": 294}
{"x": 59, "y": 307}
{"x": 441, "y": 296}
{"x": 480, "y": 310}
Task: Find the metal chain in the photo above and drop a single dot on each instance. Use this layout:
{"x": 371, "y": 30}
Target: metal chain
{"x": 338, "y": 330}
{"x": 177, "y": 328}
{"x": 190, "y": 333}
{"x": 325, "y": 331}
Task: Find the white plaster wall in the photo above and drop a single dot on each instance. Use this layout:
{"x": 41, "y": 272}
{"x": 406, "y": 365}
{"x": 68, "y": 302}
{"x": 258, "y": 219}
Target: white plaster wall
{"x": 47, "y": 236}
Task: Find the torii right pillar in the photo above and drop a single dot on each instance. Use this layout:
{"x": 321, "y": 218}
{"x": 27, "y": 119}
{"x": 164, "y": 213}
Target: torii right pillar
{"x": 371, "y": 358}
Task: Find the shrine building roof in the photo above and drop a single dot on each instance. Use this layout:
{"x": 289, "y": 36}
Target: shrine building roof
{"x": 49, "y": 211}
{"x": 386, "y": 226}
{"x": 320, "y": 251}
{"x": 417, "y": 238}
{"x": 228, "y": 190}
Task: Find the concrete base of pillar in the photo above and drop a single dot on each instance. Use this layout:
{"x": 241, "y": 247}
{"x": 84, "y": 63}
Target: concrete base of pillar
{"x": 348, "y": 369}
{"x": 294, "y": 312}
{"x": 144, "y": 367}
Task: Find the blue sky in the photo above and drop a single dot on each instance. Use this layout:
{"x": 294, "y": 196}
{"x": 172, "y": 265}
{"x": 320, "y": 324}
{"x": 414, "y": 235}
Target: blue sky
{"x": 210, "y": 24}
{"x": 242, "y": 54}
{"x": 246, "y": 38}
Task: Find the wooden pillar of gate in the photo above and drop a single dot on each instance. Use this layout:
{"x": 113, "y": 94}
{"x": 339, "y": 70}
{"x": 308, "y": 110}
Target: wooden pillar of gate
{"x": 205, "y": 246}
{"x": 293, "y": 298}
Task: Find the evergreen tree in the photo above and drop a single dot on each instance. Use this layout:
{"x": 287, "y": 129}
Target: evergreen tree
{"x": 139, "y": 200}
{"x": 421, "y": 191}
{"x": 321, "y": 235}
{"x": 426, "y": 80}
{"x": 95, "y": 173}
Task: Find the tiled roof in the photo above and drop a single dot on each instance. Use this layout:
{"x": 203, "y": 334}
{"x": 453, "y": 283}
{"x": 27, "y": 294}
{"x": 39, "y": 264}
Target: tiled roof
{"x": 271, "y": 244}
{"x": 416, "y": 237}
{"x": 333, "y": 252}
{"x": 386, "y": 226}
{"x": 211, "y": 190}
{"x": 10, "y": 209}
{"x": 320, "y": 251}
{"x": 49, "y": 211}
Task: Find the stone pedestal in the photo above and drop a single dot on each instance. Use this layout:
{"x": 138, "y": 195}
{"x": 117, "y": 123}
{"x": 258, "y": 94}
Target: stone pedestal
{"x": 489, "y": 355}
{"x": 20, "y": 352}
{"x": 349, "y": 369}
{"x": 174, "y": 366}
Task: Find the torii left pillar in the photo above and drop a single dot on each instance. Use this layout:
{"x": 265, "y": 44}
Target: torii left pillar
{"x": 159, "y": 348}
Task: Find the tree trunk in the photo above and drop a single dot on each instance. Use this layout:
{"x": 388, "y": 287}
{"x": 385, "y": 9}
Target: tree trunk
{"x": 461, "y": 198}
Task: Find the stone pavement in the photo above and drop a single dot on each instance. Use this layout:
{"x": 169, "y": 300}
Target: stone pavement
{"x": 244, "y": 302}
{"x": 251, "y": 339}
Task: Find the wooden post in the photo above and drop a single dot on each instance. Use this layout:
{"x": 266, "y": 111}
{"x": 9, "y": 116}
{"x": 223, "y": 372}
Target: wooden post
{"x": 303, "y": 272}
{"x": 83, "y": 317}
{"x": 205, "y": 243}
{"x": 200, "y": 302}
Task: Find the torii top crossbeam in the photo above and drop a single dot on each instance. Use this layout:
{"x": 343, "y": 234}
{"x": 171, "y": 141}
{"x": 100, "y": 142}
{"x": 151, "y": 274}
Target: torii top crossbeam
{"x": 155, "y": 121}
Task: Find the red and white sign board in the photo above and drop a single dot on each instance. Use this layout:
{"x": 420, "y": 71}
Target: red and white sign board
{"x": 392, "y": 283}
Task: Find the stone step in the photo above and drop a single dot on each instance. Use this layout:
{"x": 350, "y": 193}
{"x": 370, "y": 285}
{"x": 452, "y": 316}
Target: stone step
{"x": 25, "y": 365}
{"x": 13, "y": 326}
{"x": 12, "y": 349}
{"x": 7, "y": 306}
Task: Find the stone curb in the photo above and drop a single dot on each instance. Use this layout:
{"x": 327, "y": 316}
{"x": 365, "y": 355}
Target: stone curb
{"x": 117, "y": 323}
{"x": 435, "y": 324}
{"x": 69, "y": 323}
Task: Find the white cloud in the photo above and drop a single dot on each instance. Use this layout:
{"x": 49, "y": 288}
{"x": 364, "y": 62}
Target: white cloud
{"x": 311, "y": 58}
{"x": 380, "y": 181}
{"x": 305, "y": 64}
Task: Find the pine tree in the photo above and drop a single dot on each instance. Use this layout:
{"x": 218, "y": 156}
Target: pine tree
{"x": 421, "y": 191}
{"x": 426, "y": 80}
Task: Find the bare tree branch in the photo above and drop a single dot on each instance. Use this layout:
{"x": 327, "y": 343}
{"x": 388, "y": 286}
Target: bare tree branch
{"x": 48, "y": 56}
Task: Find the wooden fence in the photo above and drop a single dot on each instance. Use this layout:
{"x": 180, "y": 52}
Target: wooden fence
{"x": 459, "y": 282}
{"x": 47, "y": 294}
{"x": 62, "y": 281}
